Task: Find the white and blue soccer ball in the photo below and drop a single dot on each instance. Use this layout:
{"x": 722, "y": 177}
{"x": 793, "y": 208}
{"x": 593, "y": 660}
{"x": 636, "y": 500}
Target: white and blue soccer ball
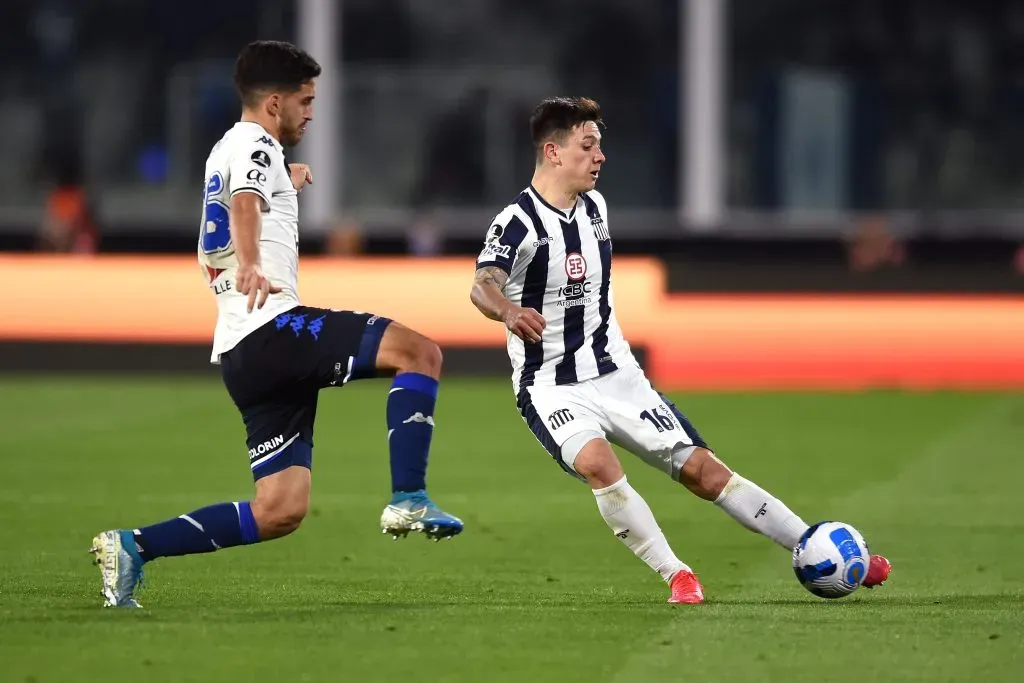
{"x": 831, "y": 559}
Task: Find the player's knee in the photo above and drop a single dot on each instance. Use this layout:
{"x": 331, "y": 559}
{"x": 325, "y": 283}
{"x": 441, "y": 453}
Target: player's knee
{"x": 423, "y": 356}
{"x": 596, "y": 462}
{"x": 704, "y": 474}
{"x": 279, "y": 517}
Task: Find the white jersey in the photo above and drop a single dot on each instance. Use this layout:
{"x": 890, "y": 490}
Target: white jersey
{"x": 248, "y": 159}
{"x": 559, "y": 263}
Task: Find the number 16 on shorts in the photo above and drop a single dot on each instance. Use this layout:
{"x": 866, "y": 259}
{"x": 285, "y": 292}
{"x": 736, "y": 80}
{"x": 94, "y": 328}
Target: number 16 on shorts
{"x": 661, "y": 418}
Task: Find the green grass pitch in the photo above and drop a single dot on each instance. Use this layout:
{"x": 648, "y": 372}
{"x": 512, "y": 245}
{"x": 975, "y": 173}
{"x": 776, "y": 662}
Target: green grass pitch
{"x": 536, "y": 589}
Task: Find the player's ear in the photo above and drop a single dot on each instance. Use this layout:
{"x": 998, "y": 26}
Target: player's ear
{"x": 550, "y": 150}
{"x": 274, "y": 104}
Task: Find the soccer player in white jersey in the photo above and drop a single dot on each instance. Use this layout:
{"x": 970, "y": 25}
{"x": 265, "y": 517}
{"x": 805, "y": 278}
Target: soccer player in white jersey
{"x": 276, "y": 354}
{"x": 545, "y": 272}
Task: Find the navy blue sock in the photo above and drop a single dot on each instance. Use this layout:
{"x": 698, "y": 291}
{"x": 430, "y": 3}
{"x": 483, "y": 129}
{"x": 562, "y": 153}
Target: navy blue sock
{"x": 410, "y": 427}
{"x": 203, "y": 531}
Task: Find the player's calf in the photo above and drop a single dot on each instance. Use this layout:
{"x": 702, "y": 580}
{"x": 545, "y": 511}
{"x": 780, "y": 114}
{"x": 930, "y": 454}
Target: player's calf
{"x": 278, "y": 508}
{"x": 416, "y": 362}
{"x": 743, "y": 500}
{"x": 623, "y": 509}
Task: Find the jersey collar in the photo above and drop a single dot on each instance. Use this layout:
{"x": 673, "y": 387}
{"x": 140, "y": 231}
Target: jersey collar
{"x": 259, "y": 131}
{"x": 561, "y": 213}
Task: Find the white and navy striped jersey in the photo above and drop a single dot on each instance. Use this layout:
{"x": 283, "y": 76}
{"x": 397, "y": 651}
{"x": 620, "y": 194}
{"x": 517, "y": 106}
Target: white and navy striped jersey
{"x": 559, "y": 263}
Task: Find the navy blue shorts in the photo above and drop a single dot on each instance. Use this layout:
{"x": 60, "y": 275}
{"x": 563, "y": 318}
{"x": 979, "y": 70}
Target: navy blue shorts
{"x": 275, "y": 374}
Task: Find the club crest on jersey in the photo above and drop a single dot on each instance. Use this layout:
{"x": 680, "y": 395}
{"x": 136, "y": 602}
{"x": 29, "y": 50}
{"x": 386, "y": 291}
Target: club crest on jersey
{"x": 575, "y": 266}
{"x": 600, "y": 232}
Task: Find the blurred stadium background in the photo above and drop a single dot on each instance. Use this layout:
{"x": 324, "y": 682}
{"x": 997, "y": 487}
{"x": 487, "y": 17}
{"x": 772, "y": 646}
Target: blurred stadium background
{"x": 755, "y": 147}
{"x": 811, "y": 201}
{"x": 755, "y": 140}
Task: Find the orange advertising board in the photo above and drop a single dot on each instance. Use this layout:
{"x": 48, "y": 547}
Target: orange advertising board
{"x": 692, "y": 341}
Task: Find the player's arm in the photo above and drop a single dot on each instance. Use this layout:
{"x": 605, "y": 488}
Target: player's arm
{"x": 496, "y": 261}
{"x": 486, "y": 295}
{"x": 245, "y": 224}
{"x": 250, "y": 176}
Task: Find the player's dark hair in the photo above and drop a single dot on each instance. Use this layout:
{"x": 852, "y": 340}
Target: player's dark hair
{"x": 269, "y": 65}
{"x": 558, "y": 116}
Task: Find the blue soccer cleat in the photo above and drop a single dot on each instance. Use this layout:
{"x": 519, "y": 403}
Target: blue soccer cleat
{"x": 120, "y": 567}
{"x": 414, "y": 511}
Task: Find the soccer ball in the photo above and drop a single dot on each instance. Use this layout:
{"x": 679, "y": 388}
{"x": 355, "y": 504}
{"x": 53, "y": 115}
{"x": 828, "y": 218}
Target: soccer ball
{"x": 831, "y": 559}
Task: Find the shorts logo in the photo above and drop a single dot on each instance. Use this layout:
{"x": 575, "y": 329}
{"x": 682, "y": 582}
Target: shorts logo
{"x": 559, "y": 418}
{"x": 266, "y": 447}
{"x": 298, "y": 322}
{"x": 575, "y": 266}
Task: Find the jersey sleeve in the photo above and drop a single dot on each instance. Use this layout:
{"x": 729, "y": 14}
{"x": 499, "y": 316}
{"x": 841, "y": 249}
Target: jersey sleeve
{"x": 251, "y": 169}
{"x": 503, "y": 243}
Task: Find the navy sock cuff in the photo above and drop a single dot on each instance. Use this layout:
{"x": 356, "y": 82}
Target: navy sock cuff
{"x": 250, "y": 533}
{"x": 415, "y": 381}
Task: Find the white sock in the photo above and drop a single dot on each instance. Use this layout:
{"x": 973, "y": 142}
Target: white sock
{"x": 760, "y": 511}
{"x": 633, "y": 523}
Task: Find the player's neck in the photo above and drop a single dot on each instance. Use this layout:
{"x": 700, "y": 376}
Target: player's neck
{"x": 268, "y": 122}
{"x": 550, "y": 191}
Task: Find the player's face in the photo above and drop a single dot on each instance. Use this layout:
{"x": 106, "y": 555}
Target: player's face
{"x": 582, "y": 157}
{"x": 295, "y": 113}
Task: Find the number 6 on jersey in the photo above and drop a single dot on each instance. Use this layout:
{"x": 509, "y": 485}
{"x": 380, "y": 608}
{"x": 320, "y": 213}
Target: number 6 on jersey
{"x": 216, "y": 232}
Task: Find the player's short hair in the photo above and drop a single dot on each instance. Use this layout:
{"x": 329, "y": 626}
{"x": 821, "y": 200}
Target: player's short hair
{"x": 556, "y": 117}
{"x": 270, "y": 65}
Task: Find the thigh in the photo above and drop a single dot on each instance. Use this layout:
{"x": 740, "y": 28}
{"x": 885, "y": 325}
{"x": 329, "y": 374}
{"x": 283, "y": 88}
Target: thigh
{"x": 279, "y": 433}
{"x": 270, "y": 377}
{"x": 645, "y": 422}
{"x": 275, "y": 374}
{"x": 557, "y": 414}
{"x": 304, "y": 349}
{"x": 336, "y": 347}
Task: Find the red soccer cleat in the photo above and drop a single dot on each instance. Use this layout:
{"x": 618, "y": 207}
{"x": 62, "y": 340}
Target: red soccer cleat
{"x": 878, "y": 571}
{"x": 686, "y": 589}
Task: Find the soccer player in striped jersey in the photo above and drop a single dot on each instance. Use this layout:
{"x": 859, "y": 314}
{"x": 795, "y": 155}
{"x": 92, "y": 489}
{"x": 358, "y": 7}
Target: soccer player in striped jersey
{"x": 545, "y": 272}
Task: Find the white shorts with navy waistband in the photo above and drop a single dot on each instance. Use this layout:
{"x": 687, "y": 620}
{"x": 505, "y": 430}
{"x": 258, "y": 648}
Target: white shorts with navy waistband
{"x": 622, "y": 407}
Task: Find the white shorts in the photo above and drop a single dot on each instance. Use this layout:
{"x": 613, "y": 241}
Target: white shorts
{"x": 621, "y": 407}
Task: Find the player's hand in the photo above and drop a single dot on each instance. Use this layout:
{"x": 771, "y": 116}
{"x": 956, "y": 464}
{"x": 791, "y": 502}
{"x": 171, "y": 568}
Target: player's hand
{"x": 301, "y": 175}
{"x": 525, "y": 323}
{"x": 251, "y": 281}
